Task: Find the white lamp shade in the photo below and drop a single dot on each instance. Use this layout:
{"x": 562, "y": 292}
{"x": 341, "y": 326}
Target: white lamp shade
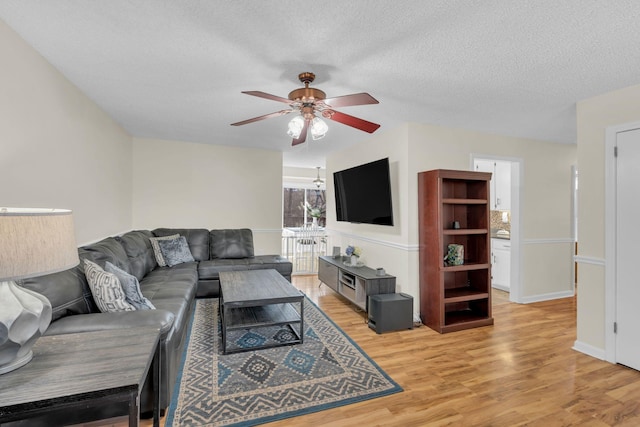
{"x": 295, "y": 127}
{"x": 35, "y": 242}
{"x": 318, "y": 128}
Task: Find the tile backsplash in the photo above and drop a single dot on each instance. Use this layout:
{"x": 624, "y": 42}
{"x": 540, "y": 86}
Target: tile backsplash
{"x": 497, "y": 220}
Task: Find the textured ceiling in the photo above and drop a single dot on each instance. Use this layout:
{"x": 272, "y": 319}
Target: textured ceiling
{"x": 175, "y": 69}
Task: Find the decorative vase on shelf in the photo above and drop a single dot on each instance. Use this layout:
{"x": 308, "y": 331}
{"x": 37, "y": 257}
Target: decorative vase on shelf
{"x": 354, "y": 260}
{"x": 314, "y": 222}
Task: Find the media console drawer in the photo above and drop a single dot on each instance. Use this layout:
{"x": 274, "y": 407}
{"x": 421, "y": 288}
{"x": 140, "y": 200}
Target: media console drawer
{"x": 348, "y": 292}
{"x": 328, "y": 274}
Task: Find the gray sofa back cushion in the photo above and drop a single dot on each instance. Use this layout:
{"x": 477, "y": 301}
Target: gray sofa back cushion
{"x": 67, "y": 291}
{"x": 138, "y": 248}
{"x": 231, "y": 243}
{"x": 108, "y": 249}
{"x": 197, "y": 238}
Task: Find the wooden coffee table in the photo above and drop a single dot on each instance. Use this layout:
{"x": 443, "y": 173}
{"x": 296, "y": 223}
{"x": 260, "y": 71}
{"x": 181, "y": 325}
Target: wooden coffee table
{"x": 74, "y": 372}
{"x": 255, "y": 299}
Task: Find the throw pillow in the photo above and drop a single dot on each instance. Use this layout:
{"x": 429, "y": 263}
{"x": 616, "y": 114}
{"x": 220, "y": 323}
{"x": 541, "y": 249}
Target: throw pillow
{"x": 156, "y": 249}
{"x": 175, "y": 251}
{"x": 131, "y": 288}
{"x": 106, "y": 289}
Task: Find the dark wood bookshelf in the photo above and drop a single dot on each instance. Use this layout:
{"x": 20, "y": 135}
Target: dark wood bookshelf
{"x": 454, "y": 297}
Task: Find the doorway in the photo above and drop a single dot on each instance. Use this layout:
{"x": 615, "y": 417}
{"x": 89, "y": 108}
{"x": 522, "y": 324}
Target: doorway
{"x": 506, "y": 234}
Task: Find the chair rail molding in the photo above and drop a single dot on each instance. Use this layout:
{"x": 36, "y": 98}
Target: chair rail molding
{"x": 583, "y": 259}
{"x": 405, "y": 247}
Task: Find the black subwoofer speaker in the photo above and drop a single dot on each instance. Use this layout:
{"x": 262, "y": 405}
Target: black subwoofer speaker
{"x": 390, "y": 312}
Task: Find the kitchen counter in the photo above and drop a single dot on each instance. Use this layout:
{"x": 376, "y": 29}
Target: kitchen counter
{"x": 495, "y": 235}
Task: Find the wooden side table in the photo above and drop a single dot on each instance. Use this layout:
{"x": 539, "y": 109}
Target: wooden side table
{"x": 74, "y": 372}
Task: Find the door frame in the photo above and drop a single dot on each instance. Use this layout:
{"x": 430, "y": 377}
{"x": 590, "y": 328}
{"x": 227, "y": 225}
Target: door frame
{"x": 610, "y": 213}
{"x": 517, "y": 189}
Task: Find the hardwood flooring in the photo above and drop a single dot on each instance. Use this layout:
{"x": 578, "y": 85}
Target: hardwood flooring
{"x": 519, "y": 372}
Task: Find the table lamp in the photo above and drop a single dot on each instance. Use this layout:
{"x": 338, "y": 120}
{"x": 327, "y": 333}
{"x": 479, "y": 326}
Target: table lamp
{"x": 33, "y": 242}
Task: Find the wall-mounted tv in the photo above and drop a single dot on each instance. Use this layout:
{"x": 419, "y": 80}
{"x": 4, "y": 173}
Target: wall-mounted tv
{"x": 363, "y": 194}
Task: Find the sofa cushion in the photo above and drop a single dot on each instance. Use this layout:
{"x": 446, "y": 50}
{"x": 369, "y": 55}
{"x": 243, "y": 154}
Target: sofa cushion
{"x": 276, "y": 262}
{"x": 106, "y": 289}
{"x": 197, "y": 238}
{"x": 67, "y": 291}
{"x": 172, "y": 289}
{"x": 131, "y": 288}
{"x": 211, "y": 269}
{"x": 231, "y": 243}
{"x": 138, "y": 248}
{"x": 175, "y": 251}
{"x": 171, "y": 282}
{"x": 108, "y": 249}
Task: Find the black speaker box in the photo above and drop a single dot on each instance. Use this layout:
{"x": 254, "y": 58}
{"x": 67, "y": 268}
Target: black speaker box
{"x": 390, "y": 312}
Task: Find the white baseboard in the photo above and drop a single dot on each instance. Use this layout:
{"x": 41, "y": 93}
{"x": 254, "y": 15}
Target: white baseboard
{"x": 547, "y": 297}
{"x": 501, "y": 288}
{"x": 589, "y": 350}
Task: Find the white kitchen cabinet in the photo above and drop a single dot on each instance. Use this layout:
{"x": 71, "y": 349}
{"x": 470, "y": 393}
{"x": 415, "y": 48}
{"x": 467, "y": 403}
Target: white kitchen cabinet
{"x": 502, "y": 176}
{"x": 500, "y": 185}
{"x": 488, "y": 166}
{"x": 501, "y": 264}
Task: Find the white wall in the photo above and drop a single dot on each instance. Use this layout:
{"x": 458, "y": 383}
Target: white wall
{"x": 594, "y": 115}
{"x": 184, "y": 184}
{"x": 57, "y": 148}
{"x": 383, "y": 246}
{"x": 412, "y": 148}
{"x": 545, "y": 195}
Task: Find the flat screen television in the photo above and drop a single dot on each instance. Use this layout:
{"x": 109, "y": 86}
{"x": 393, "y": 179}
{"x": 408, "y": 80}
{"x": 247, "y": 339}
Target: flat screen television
{"x": 363, "y": 194}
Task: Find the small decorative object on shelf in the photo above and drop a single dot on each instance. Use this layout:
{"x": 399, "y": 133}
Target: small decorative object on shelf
{"x": 353, "y": 252}
{"x": 455, "y": 255}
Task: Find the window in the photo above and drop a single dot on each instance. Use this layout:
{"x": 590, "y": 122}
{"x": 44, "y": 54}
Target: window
{"x": 295, "y": 199}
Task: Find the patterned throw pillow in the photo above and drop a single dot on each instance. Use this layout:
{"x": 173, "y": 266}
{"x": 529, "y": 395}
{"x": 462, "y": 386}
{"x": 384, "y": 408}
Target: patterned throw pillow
{"x": 106, "y": 289}
{"x": 131, "y": 288}
{"x": 175, "y": 251}
{"x": 156, "y": 249}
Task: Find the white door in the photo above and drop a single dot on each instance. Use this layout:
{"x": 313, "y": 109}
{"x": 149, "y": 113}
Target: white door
{"x": 627, "y": 241}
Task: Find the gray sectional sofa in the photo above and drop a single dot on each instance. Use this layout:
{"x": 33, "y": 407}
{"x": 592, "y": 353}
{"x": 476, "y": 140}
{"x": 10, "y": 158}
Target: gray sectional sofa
{"x": 172, "y": 290}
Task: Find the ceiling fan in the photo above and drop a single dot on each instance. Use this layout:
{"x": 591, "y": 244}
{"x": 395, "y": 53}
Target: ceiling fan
{"x": 311, "y": 101}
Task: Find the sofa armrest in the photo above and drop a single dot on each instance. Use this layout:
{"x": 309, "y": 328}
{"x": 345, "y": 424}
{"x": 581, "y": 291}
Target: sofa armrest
{"x": 162, "y": 319}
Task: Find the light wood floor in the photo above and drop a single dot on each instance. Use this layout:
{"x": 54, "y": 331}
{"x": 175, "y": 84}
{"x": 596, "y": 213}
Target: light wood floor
{"x": 519, "y": 372}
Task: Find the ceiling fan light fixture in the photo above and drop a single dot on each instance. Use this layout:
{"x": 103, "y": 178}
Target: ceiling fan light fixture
{"x": 295, "y": 127}
{"x": 318, "y": 128}
{"x": 309, "y": 102}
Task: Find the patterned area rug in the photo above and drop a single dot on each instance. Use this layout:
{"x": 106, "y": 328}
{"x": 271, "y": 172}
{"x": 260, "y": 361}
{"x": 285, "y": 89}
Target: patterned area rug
{"x": 255, "y": 387}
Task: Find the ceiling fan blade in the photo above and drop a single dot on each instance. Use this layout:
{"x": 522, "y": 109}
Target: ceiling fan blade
{"x": 349, "y": 100}
{"x": 267, "y": 96}
{"x": 352, "y": 121}
{"x": 266, "y": 116}
{"x": 303, "y": 134}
